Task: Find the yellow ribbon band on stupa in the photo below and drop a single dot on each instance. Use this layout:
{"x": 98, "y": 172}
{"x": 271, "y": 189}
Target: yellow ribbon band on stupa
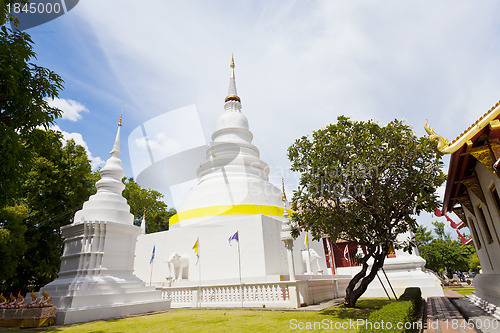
{"x": 228, "y": 210}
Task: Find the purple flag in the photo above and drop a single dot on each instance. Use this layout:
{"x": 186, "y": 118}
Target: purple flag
{"x": 235, "y": 237}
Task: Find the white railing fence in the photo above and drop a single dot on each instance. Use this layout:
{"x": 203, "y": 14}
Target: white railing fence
{"x": 282, "y": 294}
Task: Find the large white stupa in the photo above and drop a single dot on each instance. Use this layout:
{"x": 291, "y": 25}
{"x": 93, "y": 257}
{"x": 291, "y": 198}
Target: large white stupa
{"x": 232, "y": 194}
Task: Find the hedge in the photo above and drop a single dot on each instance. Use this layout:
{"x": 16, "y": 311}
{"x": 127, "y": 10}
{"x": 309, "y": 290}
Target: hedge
{"x": 396, "y": 317}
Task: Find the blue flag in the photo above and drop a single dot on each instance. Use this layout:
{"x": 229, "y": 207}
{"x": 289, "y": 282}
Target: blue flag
{"x": 235, "y": 237}
{"x": 153, "y": 254}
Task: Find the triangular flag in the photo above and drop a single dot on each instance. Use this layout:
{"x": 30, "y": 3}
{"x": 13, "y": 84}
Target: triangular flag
{"x": 235, "y": 237}
{"x": 195, "y": 247}
{"x": 153, "y": 255}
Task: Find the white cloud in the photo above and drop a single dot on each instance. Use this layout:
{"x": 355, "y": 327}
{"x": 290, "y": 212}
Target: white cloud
{"x": 94, "y": 161}
{"x": 301, "y": 64}
{"x": 71, "y": 109}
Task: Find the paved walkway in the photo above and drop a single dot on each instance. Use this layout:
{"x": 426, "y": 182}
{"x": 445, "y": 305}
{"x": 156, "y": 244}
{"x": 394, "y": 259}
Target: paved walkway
{"x": 443, "y": 317}
{"x": 455, "y": 313}
{"x": 452, "y": 294}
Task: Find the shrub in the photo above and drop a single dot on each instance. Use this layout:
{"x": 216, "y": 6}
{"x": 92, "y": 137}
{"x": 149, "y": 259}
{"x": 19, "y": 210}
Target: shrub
{"x": 395, "y": 317}
{"x": 391, "y": 318}
{"x": 414, "y": 295}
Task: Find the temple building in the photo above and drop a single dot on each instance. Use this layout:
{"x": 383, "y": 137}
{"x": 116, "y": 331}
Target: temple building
{"x": 472, "y": 192}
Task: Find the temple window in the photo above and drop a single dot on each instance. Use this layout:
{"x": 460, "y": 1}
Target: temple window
{"x": 474, "y": 232}
{"x": 482, "y": 220}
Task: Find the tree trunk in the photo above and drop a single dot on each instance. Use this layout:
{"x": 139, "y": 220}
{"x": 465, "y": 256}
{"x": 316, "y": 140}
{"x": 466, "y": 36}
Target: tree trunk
{"x": 351, "y": 293}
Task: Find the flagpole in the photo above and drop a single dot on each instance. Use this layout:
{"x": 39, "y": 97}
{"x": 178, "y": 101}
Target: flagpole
{"x": 151, "y": 274}
{"x": 239, "y": 269}
{"x": 152, "y": 263}
{"x": 199, "y": 275}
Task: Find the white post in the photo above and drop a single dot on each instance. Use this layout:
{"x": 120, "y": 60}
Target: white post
{"x": 239, "y": 268}
{"x": 308, "y": 265}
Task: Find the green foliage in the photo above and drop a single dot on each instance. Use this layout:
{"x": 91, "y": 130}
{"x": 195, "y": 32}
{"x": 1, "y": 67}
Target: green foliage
{"x": 422, "y": 236}
{"x": 12, "y": 241}
{"x": 412, "y": 294}
{"x": 363, "y": 182}
{"x": 57, "y": 184}
{"x": 444, "y": 254}
{"x": 391, "y": 315}
{"x": 23, "y": 87}
{"x": 5, "y": 16}
{"x": 474, "y": 264}
{"x": 147, "y": 202}
{"x": 439, "y": 231}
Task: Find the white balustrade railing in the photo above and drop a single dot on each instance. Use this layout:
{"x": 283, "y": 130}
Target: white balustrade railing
{"x": 283, "y": 294}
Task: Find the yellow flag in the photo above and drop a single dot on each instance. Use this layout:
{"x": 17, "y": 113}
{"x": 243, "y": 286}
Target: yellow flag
{"x": 195, "y": 247}
{"x": 307, "y": 239}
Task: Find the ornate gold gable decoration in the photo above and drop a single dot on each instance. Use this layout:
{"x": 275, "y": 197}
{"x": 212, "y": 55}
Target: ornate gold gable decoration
{"x": 465, "y": 202}
{"x": 460, "y": 213}
{"x": 483, "y": 154}
{"x": 473, "y": 185}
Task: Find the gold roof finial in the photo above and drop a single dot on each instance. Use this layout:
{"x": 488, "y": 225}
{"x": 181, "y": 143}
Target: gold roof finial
{"x": 144, "y": 214}
{"x": 283, "y": 189}
{"x": 232, "y": 66}
{"x": 121, "y": 113}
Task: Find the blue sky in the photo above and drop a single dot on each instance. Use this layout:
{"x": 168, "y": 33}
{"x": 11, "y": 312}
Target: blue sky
{"x": 299, "y": 64}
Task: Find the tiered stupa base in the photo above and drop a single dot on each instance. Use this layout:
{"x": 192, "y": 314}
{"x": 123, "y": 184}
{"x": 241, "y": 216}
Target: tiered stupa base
{"x": 103, "y": 297}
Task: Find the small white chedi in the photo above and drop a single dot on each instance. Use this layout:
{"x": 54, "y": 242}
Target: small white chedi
{"x": 96, "y": 279}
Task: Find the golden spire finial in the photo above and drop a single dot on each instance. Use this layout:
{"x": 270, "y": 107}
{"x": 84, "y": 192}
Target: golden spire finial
{"x": 232, "y": 66}
{"x": 121, "y": 113}
{"x": 283, "y": 189}
{"x": 144, "y": 214}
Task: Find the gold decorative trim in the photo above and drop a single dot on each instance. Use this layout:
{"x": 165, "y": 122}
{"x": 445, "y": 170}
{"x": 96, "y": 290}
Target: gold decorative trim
{"x": 465, "y": 202}
{"x": 446, "y": 147}
{"x": 232, "y": 98}
{"x": 483, "y": 154}
{"x": 495, "y": 124}
{"x": 473, "y": 185}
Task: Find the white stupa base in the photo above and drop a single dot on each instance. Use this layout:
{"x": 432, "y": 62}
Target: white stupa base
{"x": 487, "y": 294}
{"x": 403, "y": 271}
{"x": 102, "y": 297}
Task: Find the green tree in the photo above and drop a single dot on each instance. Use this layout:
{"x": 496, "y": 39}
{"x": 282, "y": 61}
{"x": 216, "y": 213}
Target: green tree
{"x": 439, "y": 230}
{"x": 363, "y": 182}
{"x": 474, "y": 264}
{"x": 444, "y": 254}
{"x": 5, "y": 15}
{"x": 23, "y": 89}
{"x": 57, "y": 185}
{"x": 422, "y": 236}
{"x": 147, "y": 202}
{"x": 12, "y": 242}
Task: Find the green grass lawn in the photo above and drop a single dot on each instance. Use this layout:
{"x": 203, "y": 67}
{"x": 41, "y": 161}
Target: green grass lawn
{"x": 465, "y": 290}
{"x": 232, "y": 320}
